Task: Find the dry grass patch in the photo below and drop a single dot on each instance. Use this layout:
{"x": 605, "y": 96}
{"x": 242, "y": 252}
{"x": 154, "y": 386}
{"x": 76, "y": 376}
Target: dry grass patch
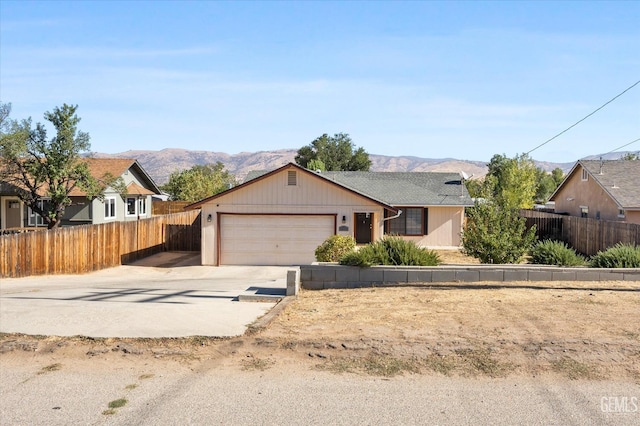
{"x": 484, "y": 329}
{"x": 480, "y": 362}
{"x": 456, "y": 257}
{"x": 253, "y": 363}
{"x": 440, "y": 364}
{"x": 374, "y": 365}
{"x": 50, "y": 368}
{"x": 575, "y": 370}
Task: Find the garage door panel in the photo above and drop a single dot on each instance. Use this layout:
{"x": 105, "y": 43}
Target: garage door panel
{"x": 272, "y": 239}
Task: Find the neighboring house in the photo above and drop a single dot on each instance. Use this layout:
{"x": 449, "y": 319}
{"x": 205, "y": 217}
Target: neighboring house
{"x": 115, "y": 207}
{"x": 280, "y": 217}
{"x": 607, "y": 190}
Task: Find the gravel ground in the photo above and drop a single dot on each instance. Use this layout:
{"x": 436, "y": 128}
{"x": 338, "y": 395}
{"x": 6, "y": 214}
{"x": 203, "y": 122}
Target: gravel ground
{"x": 211, "y": 393}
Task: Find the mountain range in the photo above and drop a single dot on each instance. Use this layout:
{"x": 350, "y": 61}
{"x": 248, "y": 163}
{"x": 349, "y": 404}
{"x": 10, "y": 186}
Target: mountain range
{"x": 160, "y": 164}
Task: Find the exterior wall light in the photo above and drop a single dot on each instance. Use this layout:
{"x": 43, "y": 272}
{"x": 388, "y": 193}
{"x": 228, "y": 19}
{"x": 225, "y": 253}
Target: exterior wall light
{"x": 344, "y": 219}
{"x": 209, "y": 218}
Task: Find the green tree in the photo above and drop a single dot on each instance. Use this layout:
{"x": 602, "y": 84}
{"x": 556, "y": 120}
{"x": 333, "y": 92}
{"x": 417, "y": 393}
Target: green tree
{"x": 198, "y": 182}
{"x": 547, "y": 183}
{"x": 558, "y": 176}
{"x": 512, "y": 181}
{"x": 475, "y": 187}
{"x": 630, "y": 156}
{"x": 496, "y": 234}
{"x": 49, "y": 169}
{"x": 545, "y": 187}
{"x": 316, "y": 164}
{"x": 336, "y": 152}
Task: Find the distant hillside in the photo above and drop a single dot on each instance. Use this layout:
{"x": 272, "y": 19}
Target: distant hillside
{"x": 160, "y": 164}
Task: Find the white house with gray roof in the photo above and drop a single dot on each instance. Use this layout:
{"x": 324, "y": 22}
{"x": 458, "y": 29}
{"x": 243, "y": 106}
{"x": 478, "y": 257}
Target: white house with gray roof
{"x": 280, "y": 217}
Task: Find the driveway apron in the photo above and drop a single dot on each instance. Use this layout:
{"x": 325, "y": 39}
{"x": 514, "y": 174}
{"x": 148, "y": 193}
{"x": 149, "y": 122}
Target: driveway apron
{"x": 166, "y": 295}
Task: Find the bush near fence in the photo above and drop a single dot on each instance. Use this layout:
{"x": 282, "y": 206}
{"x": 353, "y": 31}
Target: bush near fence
{"x": 586, "y": 236}
{"x": 86, "y": 248}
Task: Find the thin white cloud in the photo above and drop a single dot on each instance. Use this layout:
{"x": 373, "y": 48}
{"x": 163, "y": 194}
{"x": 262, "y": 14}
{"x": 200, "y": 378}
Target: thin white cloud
{"x": 111, "y": 53}
{"x": 31, "y": 24}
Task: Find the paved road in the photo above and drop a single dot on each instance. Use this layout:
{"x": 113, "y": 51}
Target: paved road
{"x": 166, "y": 295}
{"x": 214, "y": 395}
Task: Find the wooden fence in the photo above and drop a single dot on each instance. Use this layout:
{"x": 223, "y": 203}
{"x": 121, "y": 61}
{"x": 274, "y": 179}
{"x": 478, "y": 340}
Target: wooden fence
{"x": 587, "y": 236}
{"x": 86, "y": 248}
{"x": 168, "y": 207}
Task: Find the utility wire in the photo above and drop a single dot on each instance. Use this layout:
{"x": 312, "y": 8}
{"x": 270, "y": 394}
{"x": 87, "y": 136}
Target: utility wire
{"x": 620, "y": 147}
{"x": 587, "y": 116}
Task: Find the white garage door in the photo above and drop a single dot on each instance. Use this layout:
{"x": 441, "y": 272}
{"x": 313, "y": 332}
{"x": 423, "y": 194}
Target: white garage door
{"x": 272, "y": 240}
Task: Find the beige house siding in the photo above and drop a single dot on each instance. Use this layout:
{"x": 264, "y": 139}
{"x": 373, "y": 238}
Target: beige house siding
{"x": 445, "y": 226}
{"x": 257, "y": 222}
{"x": 632, "y": 216}
{"x": 577, "y": 193}
{"x": 273, "y": 195}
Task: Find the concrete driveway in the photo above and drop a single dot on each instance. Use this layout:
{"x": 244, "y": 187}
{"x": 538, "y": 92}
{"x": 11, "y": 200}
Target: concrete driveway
{"x": 166, "y": 295}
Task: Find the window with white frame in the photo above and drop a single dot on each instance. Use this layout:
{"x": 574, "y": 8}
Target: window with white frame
{"x": 621, "y": 213}
{"x": 142, "y": 206}
{"x": 136, "y": 206}
{"x": 34, "y": 218}
{"x": 131, "y": 206}
{"x": 110, "y": 208}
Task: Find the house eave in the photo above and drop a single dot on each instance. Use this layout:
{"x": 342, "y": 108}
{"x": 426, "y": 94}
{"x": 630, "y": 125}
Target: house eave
{"x": 199, "y": 204}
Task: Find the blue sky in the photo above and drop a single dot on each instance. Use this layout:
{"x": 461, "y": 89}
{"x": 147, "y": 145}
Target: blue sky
{"x": 428, "y": 79}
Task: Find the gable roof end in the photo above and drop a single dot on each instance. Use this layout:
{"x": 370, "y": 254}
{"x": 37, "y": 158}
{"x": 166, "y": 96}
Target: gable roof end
{"x": 260, "y": 177}
{"x": 618, "y": 178}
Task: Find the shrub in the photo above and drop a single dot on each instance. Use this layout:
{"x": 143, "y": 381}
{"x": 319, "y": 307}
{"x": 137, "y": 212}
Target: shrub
{"x": 391, "y": 251}
{"x": 550, "y": 252}
{"x": 618, "y": 256}
{"x": 496, "y": 234}
{"x": 334, "y": 248}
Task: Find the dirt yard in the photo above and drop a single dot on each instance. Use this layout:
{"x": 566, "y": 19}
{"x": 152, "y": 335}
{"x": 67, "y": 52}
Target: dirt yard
{"x": 569, "y": 329}
{"x": 560, "y": 329}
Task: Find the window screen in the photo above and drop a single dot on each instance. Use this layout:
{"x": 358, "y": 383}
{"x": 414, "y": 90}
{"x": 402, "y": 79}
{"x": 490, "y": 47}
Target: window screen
{"x": 409, "y": 223}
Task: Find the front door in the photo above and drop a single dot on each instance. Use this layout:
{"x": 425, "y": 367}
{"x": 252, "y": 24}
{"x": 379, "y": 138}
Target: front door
{"x": 364, "y": 228}
{"x": 12, "y": 214}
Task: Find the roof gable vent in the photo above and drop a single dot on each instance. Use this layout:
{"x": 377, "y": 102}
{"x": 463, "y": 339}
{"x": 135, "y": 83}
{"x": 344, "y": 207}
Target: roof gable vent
{"x": 292, "y": 178}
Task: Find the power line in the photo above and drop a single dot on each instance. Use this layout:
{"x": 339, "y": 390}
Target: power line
{"x": 620, "y": 147}
{"x": 587, "y": 116}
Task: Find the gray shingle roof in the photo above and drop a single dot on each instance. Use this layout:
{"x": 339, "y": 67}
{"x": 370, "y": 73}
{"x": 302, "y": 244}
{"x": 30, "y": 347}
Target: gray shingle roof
{"x": 253, "y": 174}
{"x": 401, "y": 188}
{"x": 407, "y": 188}
{"x": 620, "y": 178}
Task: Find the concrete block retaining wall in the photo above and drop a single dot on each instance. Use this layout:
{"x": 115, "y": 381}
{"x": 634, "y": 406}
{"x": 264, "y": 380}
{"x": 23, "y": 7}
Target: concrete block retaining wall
{"x": 323, "y": 276}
